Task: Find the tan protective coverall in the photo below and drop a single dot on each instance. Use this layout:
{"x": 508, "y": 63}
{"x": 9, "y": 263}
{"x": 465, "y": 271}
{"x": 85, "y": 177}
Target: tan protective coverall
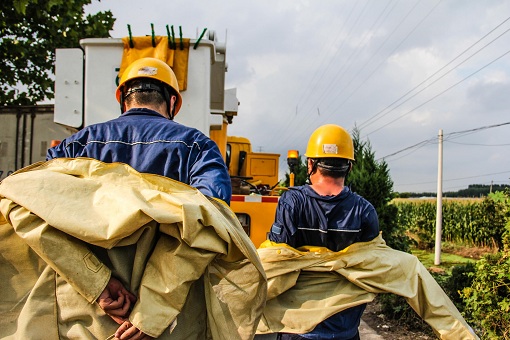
{"x": 68, "y": 224}
{"x": 308, "y": 285}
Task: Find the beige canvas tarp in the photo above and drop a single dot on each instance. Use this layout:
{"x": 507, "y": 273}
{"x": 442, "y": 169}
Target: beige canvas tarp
{"x": 309, "y": 284}
{"x": 68, "y": 224}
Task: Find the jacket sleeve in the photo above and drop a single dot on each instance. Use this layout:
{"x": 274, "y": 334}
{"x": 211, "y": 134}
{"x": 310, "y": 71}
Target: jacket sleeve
{"x": 168, "y": 276}
{"x": 57, "y": 151}
{"x": 79, "y": 267}
{"x": 369, "y": 224}
{"x": 209, "y": 174}
{"x": 283, "y": 228}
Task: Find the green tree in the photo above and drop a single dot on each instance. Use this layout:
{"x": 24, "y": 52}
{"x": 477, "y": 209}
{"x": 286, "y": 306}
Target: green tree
{"x": 30, "y": 31}
{"x": 371, "y": 179}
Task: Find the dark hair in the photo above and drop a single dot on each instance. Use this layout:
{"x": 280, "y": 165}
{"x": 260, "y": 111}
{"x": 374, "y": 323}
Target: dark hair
{"x": 331, "y": 167}
{"x": 143, "y": 91}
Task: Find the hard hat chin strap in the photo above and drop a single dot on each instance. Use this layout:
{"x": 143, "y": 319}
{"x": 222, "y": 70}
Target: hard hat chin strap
{"x": 318, "y": 163}
{"x": 344, "y": 168}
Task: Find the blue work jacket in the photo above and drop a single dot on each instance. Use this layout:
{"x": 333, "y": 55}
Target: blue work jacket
{"x": 151, "y": 143}
{"x": 305, "y": 218}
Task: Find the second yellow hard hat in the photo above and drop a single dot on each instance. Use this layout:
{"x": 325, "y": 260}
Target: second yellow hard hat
{"x": 330, "y": 141}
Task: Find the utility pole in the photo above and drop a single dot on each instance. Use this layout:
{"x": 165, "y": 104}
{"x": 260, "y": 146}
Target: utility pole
{"x": 439, "y": 212}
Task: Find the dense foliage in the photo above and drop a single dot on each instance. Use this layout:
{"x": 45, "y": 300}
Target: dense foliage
{"x": 30, "y": 31}
{"x": 487, "y": 299}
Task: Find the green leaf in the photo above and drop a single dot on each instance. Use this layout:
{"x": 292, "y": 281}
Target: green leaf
{"x": 30, "y": 31}
{"x": 20, "y": 6}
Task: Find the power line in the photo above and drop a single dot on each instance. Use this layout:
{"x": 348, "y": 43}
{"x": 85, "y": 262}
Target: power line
{"x": 343, "y": 70}
{"x": 442, "y": 92}
{"x": 477, "y": 129}
{"x": 306, "y": 120}
{"x": 373, "y": 118}
{"x": 315, "y": 76}
{"x": 417, "y": 146}
{"x": 446, "y": 137}
{"x": 353, "y": 55}
{"x": 311, "y": 88}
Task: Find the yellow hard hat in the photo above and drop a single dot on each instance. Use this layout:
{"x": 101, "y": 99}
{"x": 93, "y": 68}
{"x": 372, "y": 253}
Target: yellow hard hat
{"x": 330, "y": 141}
{"x": 151, "y": 68}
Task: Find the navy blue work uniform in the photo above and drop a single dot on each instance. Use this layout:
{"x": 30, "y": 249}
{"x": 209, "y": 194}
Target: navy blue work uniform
{"x": 305, "y": 218}
{"x": 151, "y": 143}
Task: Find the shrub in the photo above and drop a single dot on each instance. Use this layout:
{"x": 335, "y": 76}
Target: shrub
{"x": 454, "y": 284}
{"x": 487, "y": 300}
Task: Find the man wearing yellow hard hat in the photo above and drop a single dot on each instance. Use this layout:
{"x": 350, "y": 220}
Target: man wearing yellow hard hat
{"x": 146, "y": 137}
{"x": 326, "y": 213}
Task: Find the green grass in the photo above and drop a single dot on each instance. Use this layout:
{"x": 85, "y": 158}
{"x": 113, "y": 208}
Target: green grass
{"x": 447, "y": 260}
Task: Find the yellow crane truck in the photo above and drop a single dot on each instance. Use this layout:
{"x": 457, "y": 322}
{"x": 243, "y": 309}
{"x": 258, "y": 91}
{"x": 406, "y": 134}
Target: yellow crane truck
{"x": 85, "y": 83}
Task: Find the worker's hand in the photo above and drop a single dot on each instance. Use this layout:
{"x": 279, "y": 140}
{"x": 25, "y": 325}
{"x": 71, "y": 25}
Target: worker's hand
{"x": 128, "y": 331}
{"x": 116, "y": 301}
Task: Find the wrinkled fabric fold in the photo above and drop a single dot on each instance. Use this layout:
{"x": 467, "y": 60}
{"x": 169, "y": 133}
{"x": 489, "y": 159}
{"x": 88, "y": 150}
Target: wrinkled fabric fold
{"x": 78, "y": 221}
{"x": 309, "y": 284}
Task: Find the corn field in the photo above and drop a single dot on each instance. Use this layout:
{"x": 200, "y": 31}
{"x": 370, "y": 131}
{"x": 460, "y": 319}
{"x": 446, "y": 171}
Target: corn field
{"x": 478, "y": 223}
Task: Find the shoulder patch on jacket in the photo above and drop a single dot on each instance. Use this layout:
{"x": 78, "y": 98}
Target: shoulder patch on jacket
{"x": 276, "y": 229}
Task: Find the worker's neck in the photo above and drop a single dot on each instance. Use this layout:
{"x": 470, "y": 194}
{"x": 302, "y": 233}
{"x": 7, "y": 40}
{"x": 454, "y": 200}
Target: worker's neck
{"x": 327, "y": 186}
{"x": 161, "y": 109}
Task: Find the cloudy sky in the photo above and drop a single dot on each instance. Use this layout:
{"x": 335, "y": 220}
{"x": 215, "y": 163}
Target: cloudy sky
{"x": 399, "y": 71}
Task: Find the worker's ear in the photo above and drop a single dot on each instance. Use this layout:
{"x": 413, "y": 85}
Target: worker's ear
{"x": 171, "y": 109}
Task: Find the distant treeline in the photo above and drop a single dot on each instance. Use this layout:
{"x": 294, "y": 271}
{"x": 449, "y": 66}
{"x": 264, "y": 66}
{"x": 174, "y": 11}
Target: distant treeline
{"x": 473, "y": 190}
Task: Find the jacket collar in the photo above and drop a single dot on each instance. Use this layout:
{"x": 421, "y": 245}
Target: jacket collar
{"x": 142, "y": 111}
